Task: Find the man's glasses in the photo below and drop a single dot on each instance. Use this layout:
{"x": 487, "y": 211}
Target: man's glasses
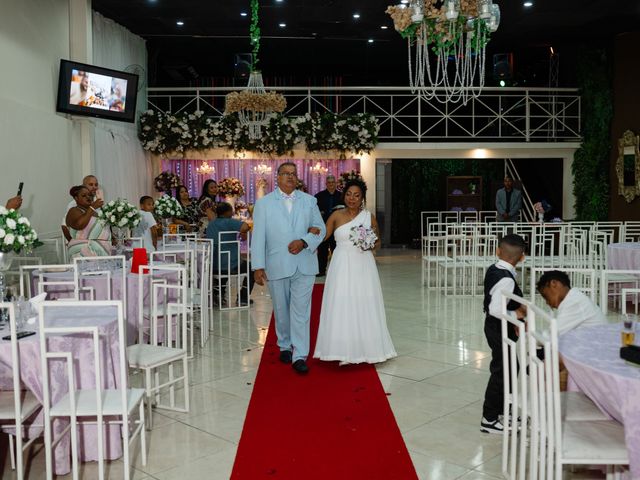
{"x": 288, "y": 174}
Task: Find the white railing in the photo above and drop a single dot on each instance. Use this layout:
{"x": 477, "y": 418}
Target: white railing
{"x": 498, "y": 114}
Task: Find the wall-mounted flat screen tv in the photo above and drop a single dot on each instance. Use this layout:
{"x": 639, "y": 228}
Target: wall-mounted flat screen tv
{"x": 97, "y": 92}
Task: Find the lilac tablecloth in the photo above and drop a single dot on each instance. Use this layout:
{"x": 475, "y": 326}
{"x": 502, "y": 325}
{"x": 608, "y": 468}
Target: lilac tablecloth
{"x": 592, "y": 357}
{"x": 81, "y": 347}
{"x": 623, "y": 256}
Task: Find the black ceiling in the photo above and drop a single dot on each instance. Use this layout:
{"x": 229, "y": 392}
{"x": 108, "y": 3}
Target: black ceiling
{"x": 323, "y": 43}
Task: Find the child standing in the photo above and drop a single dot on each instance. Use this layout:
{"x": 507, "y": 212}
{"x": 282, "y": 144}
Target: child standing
{"x": 499, "y": 278}
{"x": 147, "y": 228}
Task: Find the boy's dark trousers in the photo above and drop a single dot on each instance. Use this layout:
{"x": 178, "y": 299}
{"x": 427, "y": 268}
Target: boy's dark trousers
{"x": 494, "y": 395}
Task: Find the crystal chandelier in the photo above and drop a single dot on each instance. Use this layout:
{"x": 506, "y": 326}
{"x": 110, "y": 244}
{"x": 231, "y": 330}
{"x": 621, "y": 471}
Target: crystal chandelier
{"x": 254, "y": 105}
{"x": 319, "y": 169}
{"x": 447, "y": 45}
{"x": 262, "y": 169}
{"x": 205, "y": 169}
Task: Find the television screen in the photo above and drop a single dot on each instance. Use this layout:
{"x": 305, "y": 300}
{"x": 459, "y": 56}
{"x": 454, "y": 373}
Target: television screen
{"x": 97, "y": 92}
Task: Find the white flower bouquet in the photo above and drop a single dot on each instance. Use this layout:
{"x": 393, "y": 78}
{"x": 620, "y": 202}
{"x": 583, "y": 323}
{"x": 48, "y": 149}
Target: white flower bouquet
{"x": 16, "y": 233}
{"x": 119, "y": 213}
{"x": 364, "y": 238}
{"x": 168, "y": 207}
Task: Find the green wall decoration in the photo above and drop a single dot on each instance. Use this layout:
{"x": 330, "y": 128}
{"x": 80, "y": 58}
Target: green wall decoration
{"x": 591, "y": 161}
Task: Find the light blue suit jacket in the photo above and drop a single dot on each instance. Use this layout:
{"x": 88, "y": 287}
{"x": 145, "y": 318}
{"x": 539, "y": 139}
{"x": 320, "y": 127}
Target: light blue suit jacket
{"x": 274, "y": 228}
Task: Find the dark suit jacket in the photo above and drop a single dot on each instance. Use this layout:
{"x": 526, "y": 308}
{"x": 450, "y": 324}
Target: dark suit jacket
{"x": 327, "y": 202}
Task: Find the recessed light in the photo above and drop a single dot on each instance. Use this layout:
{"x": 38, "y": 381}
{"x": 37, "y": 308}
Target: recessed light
{"x": 180, "y": 23}
{"x": 404, "y": 1}
{"x": 370, "y": 40}
{"x": 383, "y": 27}
{"x": 243, "y": 14}
{"x": 528, "y": 4}
{"x": 278, "y": 1}
{"x": 282, "y": 25}
{"x": 356, "y": 15}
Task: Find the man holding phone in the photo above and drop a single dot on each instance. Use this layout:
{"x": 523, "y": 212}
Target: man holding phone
{"x": 91, "y": 182}
{"x": 15, "y": 202}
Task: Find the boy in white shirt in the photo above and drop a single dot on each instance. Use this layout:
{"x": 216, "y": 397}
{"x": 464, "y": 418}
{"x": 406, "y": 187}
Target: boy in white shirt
{"x": 147, "y": 228}
{"x": 574, "y": 308}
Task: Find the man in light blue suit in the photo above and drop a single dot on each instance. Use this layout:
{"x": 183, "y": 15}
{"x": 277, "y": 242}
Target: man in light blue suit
{"x": 284, "y": 253}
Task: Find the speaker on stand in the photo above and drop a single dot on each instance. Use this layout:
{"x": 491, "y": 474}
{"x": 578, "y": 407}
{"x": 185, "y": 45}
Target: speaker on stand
{"x": 503, "y": 66}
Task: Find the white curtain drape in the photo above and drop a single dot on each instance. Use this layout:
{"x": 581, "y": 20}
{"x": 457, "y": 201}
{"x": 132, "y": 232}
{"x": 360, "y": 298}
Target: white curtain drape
{"x": 121, "y": 165}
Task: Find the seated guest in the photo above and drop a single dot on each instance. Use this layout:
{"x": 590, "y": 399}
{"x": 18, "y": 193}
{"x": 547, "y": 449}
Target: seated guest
{"x": 574, "y": 308}
{"x": 147, "y": 229}
{"x": 91, "y": 182}
{"x": 207, "y": 200}
{"x": 89, "y": 237}
{"x": 224, "y": 223}
{"x": 191, "y": 213}
{"x": 15, "y": 203}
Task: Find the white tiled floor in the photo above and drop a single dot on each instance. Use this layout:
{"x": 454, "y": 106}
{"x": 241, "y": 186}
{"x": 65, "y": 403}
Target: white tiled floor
{"x": 436, "y": 386}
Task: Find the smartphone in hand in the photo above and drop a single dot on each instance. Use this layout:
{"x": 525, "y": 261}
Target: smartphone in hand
{"x": 99, "y": 194}
{"x": 20, "y": 189}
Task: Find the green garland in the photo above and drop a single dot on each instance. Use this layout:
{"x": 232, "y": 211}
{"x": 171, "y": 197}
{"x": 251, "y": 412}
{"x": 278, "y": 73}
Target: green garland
{"x": 162, "y": 133}
{"x": 254, "y": 34}
{"x": 591, "y": 161}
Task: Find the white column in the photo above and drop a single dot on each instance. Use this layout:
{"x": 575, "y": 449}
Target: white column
{"x": 81, "y": 50}
{"x": 568, "y": 198}
{"x": 368, "y": 172}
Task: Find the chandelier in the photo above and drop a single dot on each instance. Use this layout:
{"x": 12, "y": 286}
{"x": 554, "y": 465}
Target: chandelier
{"x": 262, "y": 169}
{"x": 447, "y": 45}
{"x": 205, "y": 169}
{"x": 254, "y": 105}
{"x": 319, "y": 169}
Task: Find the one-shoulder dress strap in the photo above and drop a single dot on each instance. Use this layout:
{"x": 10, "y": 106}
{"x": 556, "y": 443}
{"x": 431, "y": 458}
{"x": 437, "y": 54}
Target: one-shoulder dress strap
{"x": 366, "y": 220}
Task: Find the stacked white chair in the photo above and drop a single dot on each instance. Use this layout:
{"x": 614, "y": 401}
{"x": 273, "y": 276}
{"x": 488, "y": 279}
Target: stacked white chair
{"x": 16, "y": 405}
{"x": 631, "y": 232}
{"x": 200, "y": 286}
{"x": 98, "y": 404}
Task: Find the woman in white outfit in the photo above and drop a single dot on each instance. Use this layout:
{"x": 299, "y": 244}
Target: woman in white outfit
{"x": 353, "y": 326}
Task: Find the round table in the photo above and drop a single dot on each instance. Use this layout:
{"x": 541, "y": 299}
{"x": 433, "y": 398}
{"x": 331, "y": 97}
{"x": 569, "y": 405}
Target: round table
{"x": 623, "y": 256}
{"x": 592, "y": 357}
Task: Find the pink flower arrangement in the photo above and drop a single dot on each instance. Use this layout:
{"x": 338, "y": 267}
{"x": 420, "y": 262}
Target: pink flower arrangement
{"x": 346, "y": 176}
{"x": 230, "y": 186}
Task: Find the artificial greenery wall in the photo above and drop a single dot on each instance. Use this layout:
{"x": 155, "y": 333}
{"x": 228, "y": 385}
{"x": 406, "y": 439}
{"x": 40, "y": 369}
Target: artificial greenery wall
{"x": 591, "y": 161}
{"x": 420, "y": 185}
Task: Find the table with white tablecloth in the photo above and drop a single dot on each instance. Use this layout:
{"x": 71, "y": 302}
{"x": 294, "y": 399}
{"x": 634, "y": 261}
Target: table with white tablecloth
{"x": 623, "y": 256}
{"x": 592, "y": 358}
{"x": 81, "y": 347}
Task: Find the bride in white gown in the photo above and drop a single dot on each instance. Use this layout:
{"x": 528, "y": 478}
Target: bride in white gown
{"x": 353, "y": 326}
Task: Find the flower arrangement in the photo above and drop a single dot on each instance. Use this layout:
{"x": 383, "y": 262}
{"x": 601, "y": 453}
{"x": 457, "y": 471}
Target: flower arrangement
{"x": 230, "y": 186}
{"x": 119, "y": 213}
{"x": 167, "y": 207}
{"x": 300, "y": 185}
{"x": 541, "y": 208}
{"x": 16, "y": 233}
{"x": 166, "y": 182}
{"x": 346, "y": 176}
{"x": 258, "y": 102}
{"x": 364, "y": 238}
{"x": 161, "y": 133}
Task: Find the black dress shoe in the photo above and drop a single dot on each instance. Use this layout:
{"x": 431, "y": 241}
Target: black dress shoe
{"x": 300, "y": 366}
{"x": 285, "y": 356}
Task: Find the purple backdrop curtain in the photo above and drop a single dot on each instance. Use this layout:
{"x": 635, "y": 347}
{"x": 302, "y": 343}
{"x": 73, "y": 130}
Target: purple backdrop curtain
{"x": 244, "y": 171}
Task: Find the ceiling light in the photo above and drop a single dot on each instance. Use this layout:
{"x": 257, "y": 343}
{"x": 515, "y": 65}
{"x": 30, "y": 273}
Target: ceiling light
{"x": 282, "y": 25}
{"x": 356, "y": 15}
{"x": 528, "y": 4}
{"x": 404, "y": 1}
{"x": 384, "y": 27}
{"x": 278, "y": 1}
{"x": 243, "y": 14}
{"x": 370, "y": 40}
{"x": 503, "y": 83}
{"x": 180, "y": 23}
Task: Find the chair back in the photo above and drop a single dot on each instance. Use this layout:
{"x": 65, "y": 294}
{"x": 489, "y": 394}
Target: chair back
{"x": 96, "y": 277}
{"x": 626, "y": 293}
{"x": 228, "y": 253}
{"x": 45, "y": 276}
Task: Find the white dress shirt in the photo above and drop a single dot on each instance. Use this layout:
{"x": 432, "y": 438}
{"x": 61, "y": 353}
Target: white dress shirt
{"x": 288, "y": 199}
{"x": 577, "y": 310}
{"x": 506, "y": 284}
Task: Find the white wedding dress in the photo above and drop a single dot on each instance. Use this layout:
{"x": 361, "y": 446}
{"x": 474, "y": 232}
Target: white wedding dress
{"x": 353, "y": 326}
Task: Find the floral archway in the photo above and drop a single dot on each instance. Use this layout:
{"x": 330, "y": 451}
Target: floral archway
{"x": 243, "y": 170}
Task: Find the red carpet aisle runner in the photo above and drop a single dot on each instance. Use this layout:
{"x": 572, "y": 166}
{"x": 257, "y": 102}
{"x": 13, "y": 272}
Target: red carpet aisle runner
{"x": 335, "y": 423}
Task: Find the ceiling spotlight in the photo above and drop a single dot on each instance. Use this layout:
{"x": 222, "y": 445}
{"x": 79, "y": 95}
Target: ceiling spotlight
{"x": 528, "y": 4}
{"x": 356, "y": 15}
{"x": 404, "y": 1}
{"x": 370, "y": 40}
{"x": 383, "y": 27}
{"x": 180, "y": 23}
{"x": 282, "y": 25}
{"x": 243, "y": 14}
{"x": 278, "y": 1}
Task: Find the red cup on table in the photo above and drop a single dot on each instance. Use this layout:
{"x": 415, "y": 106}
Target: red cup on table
{"x": 139, "y": 258}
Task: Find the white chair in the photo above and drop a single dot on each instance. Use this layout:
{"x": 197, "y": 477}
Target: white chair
{"x": 158, "y": 346}
{"x": 103, "y": 269}
{"x": 16, "y": 405}
{"x": 626, "y": 293}
{"x": 631, "y": 232}
{"x": 433, "y": 252}
{"x": 487, "y": 216}
{"x": 618, "y": 280}
{"x": 101, "y": 405}
{"x": 561, "y": 435}
{"x": 201, "y": 282}
{"x": 49, "y": 276}
{"x": 232, "y": 279}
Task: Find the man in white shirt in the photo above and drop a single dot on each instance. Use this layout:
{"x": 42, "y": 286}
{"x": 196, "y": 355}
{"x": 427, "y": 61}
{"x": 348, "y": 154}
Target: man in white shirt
{"x": 91, "y": 182}
{"x": 574, "y": 308}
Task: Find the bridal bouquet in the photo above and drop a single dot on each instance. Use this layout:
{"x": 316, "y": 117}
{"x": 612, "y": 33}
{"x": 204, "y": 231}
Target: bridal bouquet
{"x": 363, "y": 237}
{"x": 119, "y": 213}
{"x": 167, "y": 207}
{"x": 16, "y": 233}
